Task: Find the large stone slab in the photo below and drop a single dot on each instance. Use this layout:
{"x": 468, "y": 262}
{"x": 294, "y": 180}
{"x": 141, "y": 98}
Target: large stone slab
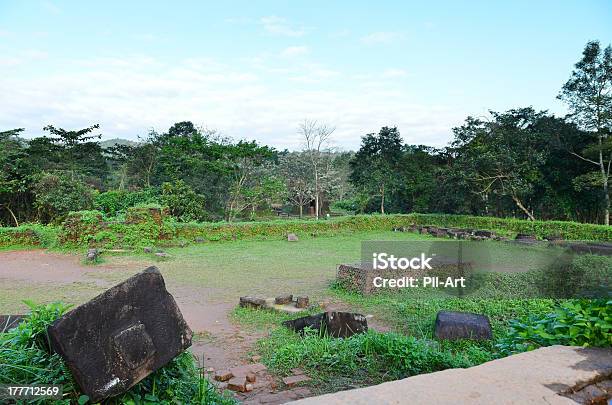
{"x": 541, "y": 376}
{"x": 336, "y": 324}
{"x": 453, "y": 325}
{"x": 118, "y": 338}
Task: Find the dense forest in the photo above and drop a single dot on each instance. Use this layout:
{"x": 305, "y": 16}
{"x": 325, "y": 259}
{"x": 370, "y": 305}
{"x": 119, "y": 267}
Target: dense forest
{"x": 518, "y": 163}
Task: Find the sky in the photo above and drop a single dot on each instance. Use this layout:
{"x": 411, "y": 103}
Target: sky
{"x": 256, "y": 69}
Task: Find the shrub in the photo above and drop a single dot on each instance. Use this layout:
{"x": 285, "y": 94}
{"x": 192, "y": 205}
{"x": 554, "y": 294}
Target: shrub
{"x": 184, "y": 203}
{"x": 29, "y": 235}
{"x": 57, "y": 195}
{"x": 25, "y": 358}
{"x": 573, "y": 323}
{"x": 114, "y": 202}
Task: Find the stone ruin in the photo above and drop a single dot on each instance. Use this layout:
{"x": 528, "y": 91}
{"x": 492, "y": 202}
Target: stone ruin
{"x": 121, "y": 336}
{"x": 360, "y": 278}
{"x": 332, "y": 323}
{"x": 282, "y": 303}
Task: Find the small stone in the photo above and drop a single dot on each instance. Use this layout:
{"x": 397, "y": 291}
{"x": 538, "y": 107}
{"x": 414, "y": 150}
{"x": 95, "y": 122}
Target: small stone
{"x": 251, "y": 377}
{"x": 237, "y": 384}
{"x": 252, "y": 302}
{"x": 92, "y": 254}
{"x": 147, "y": 249}
{"x": 223, "y": 375}
{"x": 162, "y": 254}
{"x": 295, "y": 379}
{"x": 283, "y": 299}
{"x": 301, "y": 302}
{"x": 292, "y": 237}
{"x": 248, "y": 387}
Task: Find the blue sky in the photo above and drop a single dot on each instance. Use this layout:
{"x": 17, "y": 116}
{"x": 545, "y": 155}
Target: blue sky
{"x": 255, "y": 69}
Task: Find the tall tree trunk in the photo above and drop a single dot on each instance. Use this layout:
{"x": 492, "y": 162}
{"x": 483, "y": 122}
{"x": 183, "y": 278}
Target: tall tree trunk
{"x": 12, "y": 214}
{"x": 316, "y": 195}
{"x": 607, "y": 202}
{"x": 301, "y": 209}
{"x": 522, "y": 207}
{"x": 382, "y": 199}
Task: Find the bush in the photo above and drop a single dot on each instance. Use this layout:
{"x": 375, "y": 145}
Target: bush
{"x": 112, "y": 203}
{"x": 573, "y": 323}
{"x": 29, "y": 235}
{"x": 184, "y": 203}
{"x": 25, "y": 358}
{"x": 57, "y": 195}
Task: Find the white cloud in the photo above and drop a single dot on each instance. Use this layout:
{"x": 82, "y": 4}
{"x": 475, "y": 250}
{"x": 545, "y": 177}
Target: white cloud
{"x": 280, "y": 26}
{"x": 130, "y": 95}
{"x": 394, "y": 73}
{"x": 381, "y": 37}
{"x": 293, "y": 51}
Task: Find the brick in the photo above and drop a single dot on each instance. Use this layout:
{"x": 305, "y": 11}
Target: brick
{"x": 295, "y": 379}
{"x": 223, "y": 375}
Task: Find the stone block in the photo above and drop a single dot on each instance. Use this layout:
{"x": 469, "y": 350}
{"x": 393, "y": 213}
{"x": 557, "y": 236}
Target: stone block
{"x": 295, "y": 379}
{"x": 484, "y": 233}
{"x": 237, "y": 384}
{"x": 92, "y": 255}
{"x": 252, "y": 302}
{"x": 223, "y": 375}
{"x": 121, "y": 336}
{"x": 292, "y": 237}
{"x": 301, "y": 302}
{"x": 453, "y": 325}
{"x": 251, "y": 377}
{"x": 283, "y": 299}
{"x": 335, "y": 324}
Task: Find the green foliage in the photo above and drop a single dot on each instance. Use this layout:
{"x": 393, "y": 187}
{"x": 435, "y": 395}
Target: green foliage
{"x": 29, "y": 235}
{"x": 25, "y": 358}
{"x": 184, "y": 203}
{"x": 113, "y": 202}
{"x": 574, "y": 323}
{"x": 57, "y": 195}
{"x": 366, "y": 358}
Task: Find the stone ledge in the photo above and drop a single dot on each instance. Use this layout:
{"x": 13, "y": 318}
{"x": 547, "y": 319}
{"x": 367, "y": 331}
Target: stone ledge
{"x": 535, "y": 377}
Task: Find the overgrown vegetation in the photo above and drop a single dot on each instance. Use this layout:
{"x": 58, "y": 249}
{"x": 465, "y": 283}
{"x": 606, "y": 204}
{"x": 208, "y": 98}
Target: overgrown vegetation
{"x": 89, "y": 228}
{"x": 25, "y": 358}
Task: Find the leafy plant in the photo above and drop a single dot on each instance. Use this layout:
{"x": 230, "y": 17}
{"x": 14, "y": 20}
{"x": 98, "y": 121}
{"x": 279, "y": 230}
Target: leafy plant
{"x": 573, "y": 323}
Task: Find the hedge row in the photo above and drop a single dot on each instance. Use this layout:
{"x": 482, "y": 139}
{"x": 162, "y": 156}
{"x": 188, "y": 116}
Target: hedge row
{"x": 151, "y": 232}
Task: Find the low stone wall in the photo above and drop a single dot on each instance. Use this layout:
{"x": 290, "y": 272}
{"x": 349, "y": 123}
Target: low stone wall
{"x": 550, "y": 375}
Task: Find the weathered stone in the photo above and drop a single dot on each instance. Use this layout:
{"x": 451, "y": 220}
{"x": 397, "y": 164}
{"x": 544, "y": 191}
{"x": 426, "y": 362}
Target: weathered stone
{"x": 283, "y": 299}
{"x": 118, "y": 338}
{"x": 301, "y": 302}
{"x": 10, "y": 321}
{"x": 251, "y": 377}
{"x": 484, "y": 233}
{"x": 147, "y": 249}
{"x": 295, "y": 379}
{"x": 237, "y": 384}
{"x": 292, "y": 237}
{"x": 92, "y": 255}
{"x": 336, "y": 324}
{"x": 162, "y": 254}
{"x": 223, "y": 375}
{"x": 453, "y": 325}
{"x": 252, "y": 302}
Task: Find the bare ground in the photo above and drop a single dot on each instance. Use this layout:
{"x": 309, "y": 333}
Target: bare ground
{"x": 218, "y": 344}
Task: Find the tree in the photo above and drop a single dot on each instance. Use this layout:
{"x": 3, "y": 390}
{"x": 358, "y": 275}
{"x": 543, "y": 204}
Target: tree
{"x": 500, "y": 156}
{"x": 58, "y": 194}
{"x": 296, "y": 168}
{"x": 316, "y": 137}
{"x": 376, "y": 164}
{"x": 14, "y": 172}
{"x": 588, "y": 94}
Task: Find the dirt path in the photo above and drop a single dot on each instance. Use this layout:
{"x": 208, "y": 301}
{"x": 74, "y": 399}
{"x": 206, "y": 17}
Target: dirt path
{"x": 218, "y": 344}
